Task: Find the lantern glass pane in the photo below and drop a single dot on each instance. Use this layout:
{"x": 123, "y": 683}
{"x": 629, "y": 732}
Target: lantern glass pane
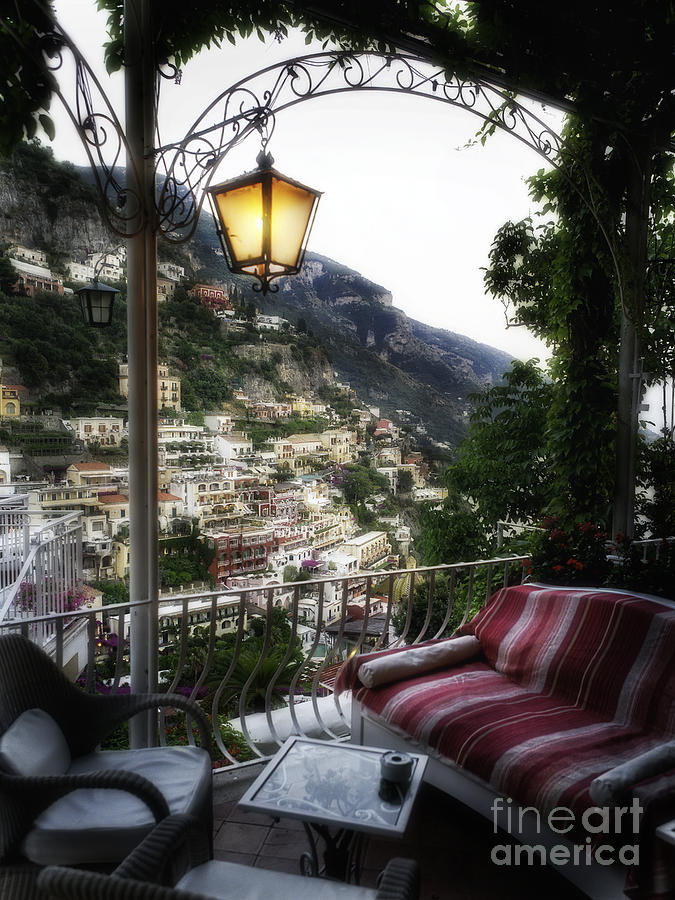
{"x": 291, "y": 211}
{"x": 99, "y": 304}
{"x": 241, "y": 213}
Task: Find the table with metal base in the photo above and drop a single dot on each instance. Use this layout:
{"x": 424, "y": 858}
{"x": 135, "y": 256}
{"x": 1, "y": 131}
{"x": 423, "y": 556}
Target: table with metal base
{"x": 335, "y": 789}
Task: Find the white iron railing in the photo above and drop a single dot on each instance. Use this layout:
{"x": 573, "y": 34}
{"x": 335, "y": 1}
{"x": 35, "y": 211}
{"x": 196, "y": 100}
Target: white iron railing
{"x": 40, "y": 561}
{"x": 264, "y": 688}
{"x": 655, "y": 544}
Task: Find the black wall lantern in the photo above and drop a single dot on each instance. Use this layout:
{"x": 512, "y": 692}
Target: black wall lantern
{"x": 96, "y": 300}
{"x": 264, "y": 222}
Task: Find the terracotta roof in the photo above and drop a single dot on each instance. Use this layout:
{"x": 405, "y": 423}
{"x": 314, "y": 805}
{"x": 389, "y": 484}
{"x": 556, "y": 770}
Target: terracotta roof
{"x": 91, "y": 467}
{"x": 112, "y": 498}
{"x": 162, "y": 495}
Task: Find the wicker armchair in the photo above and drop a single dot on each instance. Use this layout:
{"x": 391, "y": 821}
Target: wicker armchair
{"x": 171, "y": 864}
{"x": 29, "y": 802}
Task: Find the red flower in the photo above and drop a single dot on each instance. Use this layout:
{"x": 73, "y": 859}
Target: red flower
{"x": 557, "y": 568}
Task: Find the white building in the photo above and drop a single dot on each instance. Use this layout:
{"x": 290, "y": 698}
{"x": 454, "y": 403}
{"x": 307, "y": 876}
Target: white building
{"x": 176, "y": 440}
{"x": 369, "y": 549}
{"x": 270, "y": 323}
{"x": 219, "y": 422}
{"x": 391, "y": 474}
{"x": 36, "y": 257}
{"x": 5, "y": 474}
{"x": 80, "y": 271}
{"x": 107, "y": 430}
{"x": 108, "y": 265}
{"x": 233, "y": 446}
{"x": 171, "y": 270}
{"x": 340, "y": 443}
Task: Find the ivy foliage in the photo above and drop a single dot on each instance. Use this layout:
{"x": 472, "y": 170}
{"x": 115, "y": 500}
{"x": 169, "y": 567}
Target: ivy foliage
{"x": 614, "y": 64}
{"x": 557, "y": 275}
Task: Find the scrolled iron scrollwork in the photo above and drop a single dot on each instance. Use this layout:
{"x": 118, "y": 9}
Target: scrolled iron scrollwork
{"x": 95, "y": 121}
{"x": 251, "y": 106}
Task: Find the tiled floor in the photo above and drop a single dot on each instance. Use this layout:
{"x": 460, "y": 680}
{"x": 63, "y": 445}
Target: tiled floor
{"x": 451, "y": 844}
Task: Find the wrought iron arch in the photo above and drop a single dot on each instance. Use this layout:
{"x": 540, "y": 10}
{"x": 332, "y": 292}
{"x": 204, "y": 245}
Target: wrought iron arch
{"x": 251, "y": 106}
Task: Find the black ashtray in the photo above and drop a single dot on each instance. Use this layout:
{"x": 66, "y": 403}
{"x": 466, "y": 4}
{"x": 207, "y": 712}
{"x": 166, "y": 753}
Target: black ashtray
{"x": 390, "y": 792}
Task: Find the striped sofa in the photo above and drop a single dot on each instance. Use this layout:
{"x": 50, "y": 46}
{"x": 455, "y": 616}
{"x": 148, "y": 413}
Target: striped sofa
{"x": 570, "y": 683}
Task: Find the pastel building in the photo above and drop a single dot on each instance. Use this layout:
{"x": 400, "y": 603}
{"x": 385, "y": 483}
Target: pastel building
{"x": 369, "y": 549}
{"x": 168, "y": 386}
{"x": 107, "y": 430}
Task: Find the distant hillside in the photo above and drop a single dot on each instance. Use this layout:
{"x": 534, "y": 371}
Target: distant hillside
{"x": 391, "y": 361}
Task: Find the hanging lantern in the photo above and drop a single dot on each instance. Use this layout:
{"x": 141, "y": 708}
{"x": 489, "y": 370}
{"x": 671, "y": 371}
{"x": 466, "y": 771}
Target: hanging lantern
{"x": 96, "y": 301}
{"x": 264, "y": 221}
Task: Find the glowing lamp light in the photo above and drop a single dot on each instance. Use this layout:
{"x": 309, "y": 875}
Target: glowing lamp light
{"x": 96, "y": 301}
{"x": 264, "y": 221}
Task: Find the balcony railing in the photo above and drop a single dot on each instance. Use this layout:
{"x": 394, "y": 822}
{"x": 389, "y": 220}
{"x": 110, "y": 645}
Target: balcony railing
{"x": 260, "y": 684}
{"x": 40, "y": 561}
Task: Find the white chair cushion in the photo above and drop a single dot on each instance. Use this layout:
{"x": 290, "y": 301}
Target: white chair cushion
{"x": 34, "y": 745}
{"x": 231, "y": 881}
{"x": 417, "y": 660}
{"x": 103, "y": 826}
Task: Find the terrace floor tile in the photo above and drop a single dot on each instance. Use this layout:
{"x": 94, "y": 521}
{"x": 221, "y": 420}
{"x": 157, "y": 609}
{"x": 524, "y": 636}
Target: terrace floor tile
{"x": 451, "y": 843}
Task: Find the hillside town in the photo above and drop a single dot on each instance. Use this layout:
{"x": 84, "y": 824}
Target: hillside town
{"x": 244, "y": 499}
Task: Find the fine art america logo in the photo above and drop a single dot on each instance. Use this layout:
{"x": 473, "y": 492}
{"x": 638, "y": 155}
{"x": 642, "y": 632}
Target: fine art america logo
{"x": 598, "y": 823}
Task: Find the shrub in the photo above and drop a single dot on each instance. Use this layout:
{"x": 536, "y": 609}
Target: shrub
{"x": 577, "y": 555}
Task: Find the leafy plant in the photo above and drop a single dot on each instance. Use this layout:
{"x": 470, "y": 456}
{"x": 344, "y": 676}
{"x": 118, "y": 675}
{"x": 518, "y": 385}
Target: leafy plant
{"x": 575, "y": 555}
{"x": 650, "y": 570}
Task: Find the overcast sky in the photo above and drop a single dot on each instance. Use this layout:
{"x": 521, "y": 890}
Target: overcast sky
{"x": 405, "y": 202}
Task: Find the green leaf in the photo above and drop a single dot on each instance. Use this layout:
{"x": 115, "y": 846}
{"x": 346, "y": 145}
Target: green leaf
{"x": 48, "y": 126}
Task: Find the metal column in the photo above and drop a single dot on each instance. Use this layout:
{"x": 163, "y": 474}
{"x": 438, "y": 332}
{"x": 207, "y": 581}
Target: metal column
{"x": 142, "y": 358}
{"x": 637, "y": 233}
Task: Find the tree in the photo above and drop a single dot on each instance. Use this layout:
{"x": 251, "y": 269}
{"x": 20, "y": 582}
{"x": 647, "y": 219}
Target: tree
{"x": 7, "y": 275}
{"x": 290, "y": 573}
{"x": 503, "y": 466}
{"x": 361, "y": 482}
{"x": 454, "y": 533}
{"x": 405, "y": 481}
{"x": 113, "y": 592}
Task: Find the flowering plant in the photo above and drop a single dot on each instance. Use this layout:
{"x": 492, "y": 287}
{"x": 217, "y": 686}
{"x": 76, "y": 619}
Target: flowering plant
{"x": 70, "y": 600}
{"x": 575, "y": 555}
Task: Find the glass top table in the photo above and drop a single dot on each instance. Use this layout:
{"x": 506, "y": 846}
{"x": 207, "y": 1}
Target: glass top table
{"x": 332, "y": 783}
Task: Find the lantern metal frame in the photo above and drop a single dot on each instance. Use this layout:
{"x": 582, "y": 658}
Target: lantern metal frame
{"x": 264, "y": 175}
{"x": 85, "y": 295}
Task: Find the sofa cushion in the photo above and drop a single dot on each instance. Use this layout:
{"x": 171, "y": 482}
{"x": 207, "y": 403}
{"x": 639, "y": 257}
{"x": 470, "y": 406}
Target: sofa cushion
{"x": 607, "y": 651}
{"x": 34, "y": 745}
{"x": 247, "y": 883}
{"x": 385, "y": 668}
{"x": 103, "y": 826}
{"x": 614, "y": 785}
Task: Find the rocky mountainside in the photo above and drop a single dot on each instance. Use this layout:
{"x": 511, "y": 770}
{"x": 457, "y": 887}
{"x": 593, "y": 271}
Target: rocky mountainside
{"x": 392, "y": 361}
{"x": 340, "y": 300}
{"x": 46, "y": 204}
